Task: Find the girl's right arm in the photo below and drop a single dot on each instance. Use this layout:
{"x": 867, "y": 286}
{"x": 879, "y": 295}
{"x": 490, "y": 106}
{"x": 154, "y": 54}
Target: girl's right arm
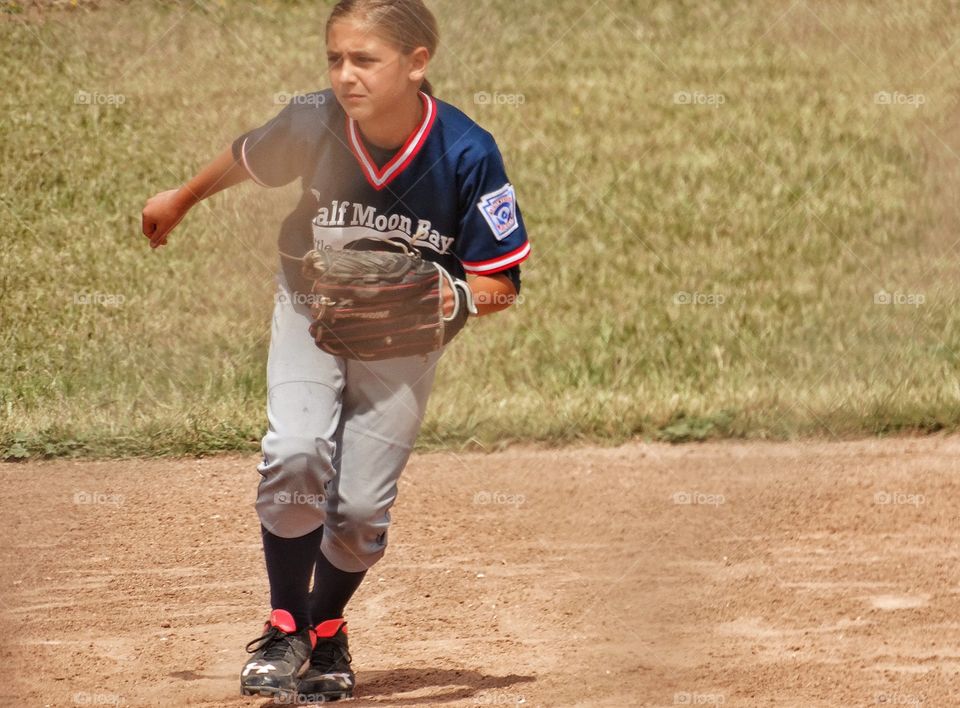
{"x": 164, "y": 211}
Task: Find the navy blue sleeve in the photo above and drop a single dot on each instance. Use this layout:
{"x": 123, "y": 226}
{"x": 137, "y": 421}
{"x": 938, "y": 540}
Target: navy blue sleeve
{"x": 492, "y": 237}
{"x": 281, "y": 149}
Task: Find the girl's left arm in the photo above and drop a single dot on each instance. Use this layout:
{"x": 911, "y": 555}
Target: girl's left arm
{"x": 491, "y": 293}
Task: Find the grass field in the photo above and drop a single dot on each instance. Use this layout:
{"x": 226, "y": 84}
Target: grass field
{"x": 743, "y": 218}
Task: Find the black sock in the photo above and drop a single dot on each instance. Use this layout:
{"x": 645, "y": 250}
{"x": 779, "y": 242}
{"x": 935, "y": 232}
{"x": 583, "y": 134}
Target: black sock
{"x": 289, "y": 566}
{"x": 332, "y": 589}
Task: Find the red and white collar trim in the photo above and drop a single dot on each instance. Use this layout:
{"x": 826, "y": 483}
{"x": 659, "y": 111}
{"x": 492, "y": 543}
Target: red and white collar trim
{"x": 380, "y": 178}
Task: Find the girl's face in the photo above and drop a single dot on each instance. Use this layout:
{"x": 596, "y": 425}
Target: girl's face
{"x": 370, "y": 76}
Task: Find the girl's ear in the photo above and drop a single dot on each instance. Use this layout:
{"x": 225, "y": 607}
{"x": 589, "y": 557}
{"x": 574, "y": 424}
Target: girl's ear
{"x": 419, "y": 61}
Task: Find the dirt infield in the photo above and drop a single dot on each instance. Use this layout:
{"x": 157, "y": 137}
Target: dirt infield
{"x": 816, "y": 574}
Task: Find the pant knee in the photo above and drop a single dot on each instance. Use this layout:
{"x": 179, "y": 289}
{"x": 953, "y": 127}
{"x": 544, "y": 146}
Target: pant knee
{"x": 299, "y": 458}
{"x": 291, "y": 498}
{"x": 355, "y": 535}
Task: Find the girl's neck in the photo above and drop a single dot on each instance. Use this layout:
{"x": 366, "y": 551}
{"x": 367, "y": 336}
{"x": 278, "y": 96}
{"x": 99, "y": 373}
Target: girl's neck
{"x": 392, "y": 130}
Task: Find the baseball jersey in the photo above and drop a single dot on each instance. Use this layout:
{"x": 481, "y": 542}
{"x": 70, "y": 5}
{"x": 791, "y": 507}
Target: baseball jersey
{"x": 445, "y": 190}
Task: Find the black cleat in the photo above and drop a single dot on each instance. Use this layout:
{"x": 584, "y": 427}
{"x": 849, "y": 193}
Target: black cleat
{"x": 277, "y": 658}
{"x": 329, "y": 676}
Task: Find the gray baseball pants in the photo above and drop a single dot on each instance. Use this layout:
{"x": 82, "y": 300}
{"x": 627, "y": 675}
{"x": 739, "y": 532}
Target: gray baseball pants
{"x": 340, "y": 433}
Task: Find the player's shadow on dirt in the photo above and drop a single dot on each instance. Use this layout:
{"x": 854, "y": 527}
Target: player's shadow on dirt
{"x": 459, "y": 685}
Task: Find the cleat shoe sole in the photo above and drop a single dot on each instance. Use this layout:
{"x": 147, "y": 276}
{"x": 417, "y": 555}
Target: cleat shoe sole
{"x": 327, "y": 697}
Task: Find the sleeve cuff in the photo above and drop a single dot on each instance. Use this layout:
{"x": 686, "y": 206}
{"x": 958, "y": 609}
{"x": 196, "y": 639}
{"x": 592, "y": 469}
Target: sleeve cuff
{"x": 239, "y": 150}
{"x": 500, "y": 263}
{"x": 235, "y": 148}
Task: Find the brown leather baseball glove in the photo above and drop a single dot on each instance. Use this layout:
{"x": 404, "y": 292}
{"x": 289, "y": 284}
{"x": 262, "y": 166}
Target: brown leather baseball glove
{"x": 381, "y": 304}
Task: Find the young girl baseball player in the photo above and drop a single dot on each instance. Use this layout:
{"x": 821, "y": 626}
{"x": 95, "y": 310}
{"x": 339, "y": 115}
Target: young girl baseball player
{"x": 378, "y": 157}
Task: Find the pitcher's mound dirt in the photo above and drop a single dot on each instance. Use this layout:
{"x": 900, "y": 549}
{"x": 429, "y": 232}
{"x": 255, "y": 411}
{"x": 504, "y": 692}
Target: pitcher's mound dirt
{"x": 814, "y": 574}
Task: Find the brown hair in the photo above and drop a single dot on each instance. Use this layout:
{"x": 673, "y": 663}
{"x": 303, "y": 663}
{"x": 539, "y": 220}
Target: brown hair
{"x": 406, "y": 23}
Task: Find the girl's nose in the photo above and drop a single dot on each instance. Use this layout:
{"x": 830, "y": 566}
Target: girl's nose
{"x": 347, "y": 75}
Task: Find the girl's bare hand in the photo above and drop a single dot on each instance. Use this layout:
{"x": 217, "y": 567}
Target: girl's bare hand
{"x": 162, "y": 213}
{"x": 449, "y": 301}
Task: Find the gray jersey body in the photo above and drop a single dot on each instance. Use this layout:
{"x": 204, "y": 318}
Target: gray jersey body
{"x": 340, "y": 433}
